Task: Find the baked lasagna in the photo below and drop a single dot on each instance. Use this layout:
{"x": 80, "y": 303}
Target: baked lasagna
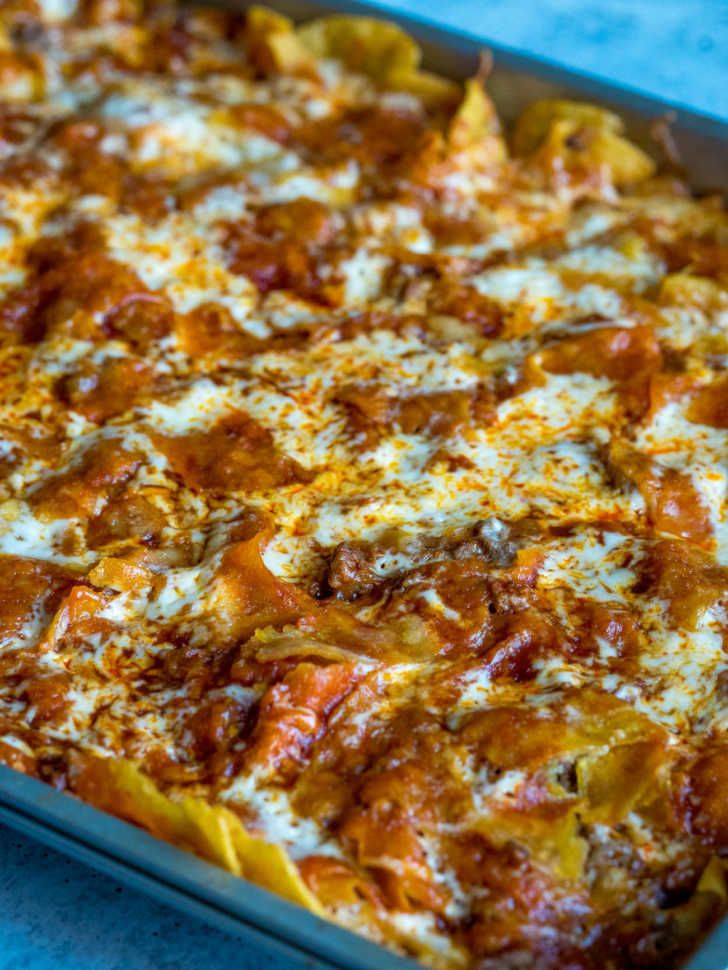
{"x": 364, "y": 474}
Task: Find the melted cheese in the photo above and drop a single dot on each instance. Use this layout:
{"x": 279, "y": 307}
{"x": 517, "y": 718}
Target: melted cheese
{"x": 594, "y": 568}
{"x": 388, "y": 354}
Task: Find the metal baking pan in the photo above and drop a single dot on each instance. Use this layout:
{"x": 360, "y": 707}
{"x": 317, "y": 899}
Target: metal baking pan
{"x": 179, "y": 878}
{"x": 518, "y": 79}
{"x": 279, "y": 928}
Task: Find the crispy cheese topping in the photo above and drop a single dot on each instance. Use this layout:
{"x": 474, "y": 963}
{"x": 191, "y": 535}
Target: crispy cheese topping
{"x": 364, "y": 481}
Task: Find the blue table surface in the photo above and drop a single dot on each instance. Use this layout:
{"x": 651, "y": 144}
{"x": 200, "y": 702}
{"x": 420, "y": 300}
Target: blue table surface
{"x": 55, "y": 913}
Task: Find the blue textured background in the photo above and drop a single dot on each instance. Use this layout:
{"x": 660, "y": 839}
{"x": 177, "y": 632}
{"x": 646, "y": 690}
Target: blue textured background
{"x": 57, "y": 915}
{"x": 674, "y": 49}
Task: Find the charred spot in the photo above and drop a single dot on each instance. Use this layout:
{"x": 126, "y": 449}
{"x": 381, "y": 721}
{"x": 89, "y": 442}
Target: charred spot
{"x": 30, "y": 34}
{"x": 565, "y": 776}
{"x": 667, "y": 897}
{"x": 576, "y": 142}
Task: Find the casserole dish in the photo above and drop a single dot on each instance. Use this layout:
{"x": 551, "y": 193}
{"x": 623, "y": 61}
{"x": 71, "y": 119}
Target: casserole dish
{"x": 692, "y": 132}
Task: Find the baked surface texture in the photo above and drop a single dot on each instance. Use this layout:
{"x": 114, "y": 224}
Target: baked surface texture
{"x": 363, "y": 518}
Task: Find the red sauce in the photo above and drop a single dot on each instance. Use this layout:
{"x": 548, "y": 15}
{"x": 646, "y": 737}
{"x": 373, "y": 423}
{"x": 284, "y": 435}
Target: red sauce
{"x": 710, "y": 404}
{"x": 293, "y": 715}
{"x": 32, "y": 585}
{"x": 616, "y": 353}
{"x": 102, "y": 470}
{"x": 101, "y": 392}
{"x": 279, "y": 250}
{"x": 672, "y": 502}
{"x": 236, "y": 454}
{"x": 702, "y": 796}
